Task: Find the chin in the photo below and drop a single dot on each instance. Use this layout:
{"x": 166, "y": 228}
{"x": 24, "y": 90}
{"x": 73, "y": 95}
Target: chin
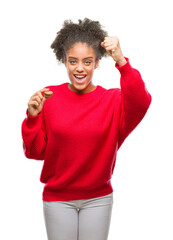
{"x": 80, "y": 86}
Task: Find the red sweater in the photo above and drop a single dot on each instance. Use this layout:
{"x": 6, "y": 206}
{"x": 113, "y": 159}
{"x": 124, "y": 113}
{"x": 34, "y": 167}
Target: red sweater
{"x": 78, "y": 135}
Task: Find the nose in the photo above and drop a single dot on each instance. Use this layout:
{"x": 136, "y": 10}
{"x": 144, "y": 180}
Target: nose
{"x": 79, "y": 67}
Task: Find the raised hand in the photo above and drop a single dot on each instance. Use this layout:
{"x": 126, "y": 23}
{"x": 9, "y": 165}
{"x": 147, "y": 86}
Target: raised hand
{"x": 36, "y": 102}
{"x": 112, "y": 46}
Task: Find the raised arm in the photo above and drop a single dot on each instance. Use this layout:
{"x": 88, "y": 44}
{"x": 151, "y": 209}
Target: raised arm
{"x": 135, "y": 99}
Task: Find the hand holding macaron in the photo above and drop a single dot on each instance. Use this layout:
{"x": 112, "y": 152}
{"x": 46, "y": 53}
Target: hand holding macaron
{"x": 37, "y": 100}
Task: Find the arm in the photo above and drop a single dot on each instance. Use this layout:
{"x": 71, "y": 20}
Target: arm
{"x": 135, "y": 99}
{"x": 33, "y": 127}
{"x": 34, "y": 136}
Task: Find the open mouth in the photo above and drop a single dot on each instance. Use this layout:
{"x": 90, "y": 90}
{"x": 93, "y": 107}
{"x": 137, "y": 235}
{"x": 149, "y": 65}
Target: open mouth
{"x": 80, "y": 78}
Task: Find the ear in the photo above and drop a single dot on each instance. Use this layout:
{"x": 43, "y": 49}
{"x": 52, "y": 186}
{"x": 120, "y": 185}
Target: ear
{"x": 96, "y": 64}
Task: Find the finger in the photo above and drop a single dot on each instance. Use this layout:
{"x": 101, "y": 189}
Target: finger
{"x": 111, "y": 39}
{"x": 102, "y": 44}
{"x": 111, "y": 47}
{"x": 44, "y": 90}
{"x": 108, "y": 40}
{"x": 37, "y": 98}
{"x": 109, "y": 52}
{"x": 40, "y": 93}
{"x": 33, "y": 103}
{"x": 41, "y": 96}
{"x": 109, "y": 44}
{"x": 106, "y": 44}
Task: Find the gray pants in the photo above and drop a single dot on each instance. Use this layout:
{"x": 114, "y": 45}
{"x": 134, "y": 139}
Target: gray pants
{"x": 87, "y": 219}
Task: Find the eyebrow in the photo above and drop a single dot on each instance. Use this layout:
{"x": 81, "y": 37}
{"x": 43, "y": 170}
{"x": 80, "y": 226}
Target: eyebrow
{"x": 76, "y": 58}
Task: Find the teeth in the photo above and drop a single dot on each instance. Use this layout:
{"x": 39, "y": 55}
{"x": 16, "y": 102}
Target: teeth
{"x": 79, "y": 76}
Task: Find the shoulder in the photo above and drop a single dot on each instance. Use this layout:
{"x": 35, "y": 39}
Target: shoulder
{"x": 112, "y": 92}
{"x": 111, "y": 96}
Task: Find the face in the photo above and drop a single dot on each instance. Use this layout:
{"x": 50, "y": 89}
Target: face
{"x": 80, "y": 64}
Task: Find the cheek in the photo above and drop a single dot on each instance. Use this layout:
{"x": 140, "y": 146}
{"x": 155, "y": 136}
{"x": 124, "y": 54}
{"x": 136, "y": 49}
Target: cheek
{"x": 90, "y": 71}
{"x": 69, "y": 70}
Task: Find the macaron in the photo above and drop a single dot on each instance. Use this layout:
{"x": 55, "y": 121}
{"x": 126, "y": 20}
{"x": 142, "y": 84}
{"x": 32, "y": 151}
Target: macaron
{"x": 48, "y": 94}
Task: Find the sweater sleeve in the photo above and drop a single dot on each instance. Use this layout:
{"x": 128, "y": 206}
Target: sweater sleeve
{"x": 34, "y": 136}
{"x": 135, "y": 100}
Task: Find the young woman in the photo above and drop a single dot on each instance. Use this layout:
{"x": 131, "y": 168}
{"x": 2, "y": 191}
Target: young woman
{"x": 78, "y": 131}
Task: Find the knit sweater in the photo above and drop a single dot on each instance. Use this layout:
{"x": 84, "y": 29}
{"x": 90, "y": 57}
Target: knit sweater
{"x": 78, "y": 135}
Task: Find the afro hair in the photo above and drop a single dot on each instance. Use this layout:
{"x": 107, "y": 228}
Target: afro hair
{"x": 85, "y": 31}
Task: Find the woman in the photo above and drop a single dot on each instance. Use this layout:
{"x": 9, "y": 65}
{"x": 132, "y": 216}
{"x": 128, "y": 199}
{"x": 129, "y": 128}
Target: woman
{"x": 78, "y": 131}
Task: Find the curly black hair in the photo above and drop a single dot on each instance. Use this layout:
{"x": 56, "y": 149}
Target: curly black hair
{"x": 85, "y": 31}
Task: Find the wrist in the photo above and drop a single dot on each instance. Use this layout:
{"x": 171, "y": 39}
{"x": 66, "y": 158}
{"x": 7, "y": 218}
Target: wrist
{"x": 30, "y": 115}
{"x": 121, "y": 62}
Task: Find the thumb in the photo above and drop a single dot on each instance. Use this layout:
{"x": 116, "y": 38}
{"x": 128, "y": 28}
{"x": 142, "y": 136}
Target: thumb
{"x": 102, "y": 44}
{"x": 44, "y": 99}
{"x": 46, "y": 96}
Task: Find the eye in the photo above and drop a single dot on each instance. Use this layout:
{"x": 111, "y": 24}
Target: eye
{"x": 87, "y": 62}
{"x": 72, "y": 62}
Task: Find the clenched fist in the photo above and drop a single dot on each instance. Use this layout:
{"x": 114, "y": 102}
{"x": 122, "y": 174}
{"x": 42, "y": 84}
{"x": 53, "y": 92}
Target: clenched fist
{"x": 36, "y": 102}
{"x": 112, "y": 46}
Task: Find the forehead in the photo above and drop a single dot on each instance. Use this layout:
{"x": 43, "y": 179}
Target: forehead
{"x": 81, "y": 50}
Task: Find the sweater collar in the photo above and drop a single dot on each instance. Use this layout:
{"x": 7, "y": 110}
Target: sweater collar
{"x": 81, "y": 95}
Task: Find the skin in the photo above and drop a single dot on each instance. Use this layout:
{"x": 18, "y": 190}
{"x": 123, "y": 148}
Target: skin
{"x": 36, "y": 102}
{"x": 81, "y": 60}
{"x": 112, "y": 46}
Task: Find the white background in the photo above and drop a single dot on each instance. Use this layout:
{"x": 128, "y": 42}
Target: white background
{"x": 143, "y": 175}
